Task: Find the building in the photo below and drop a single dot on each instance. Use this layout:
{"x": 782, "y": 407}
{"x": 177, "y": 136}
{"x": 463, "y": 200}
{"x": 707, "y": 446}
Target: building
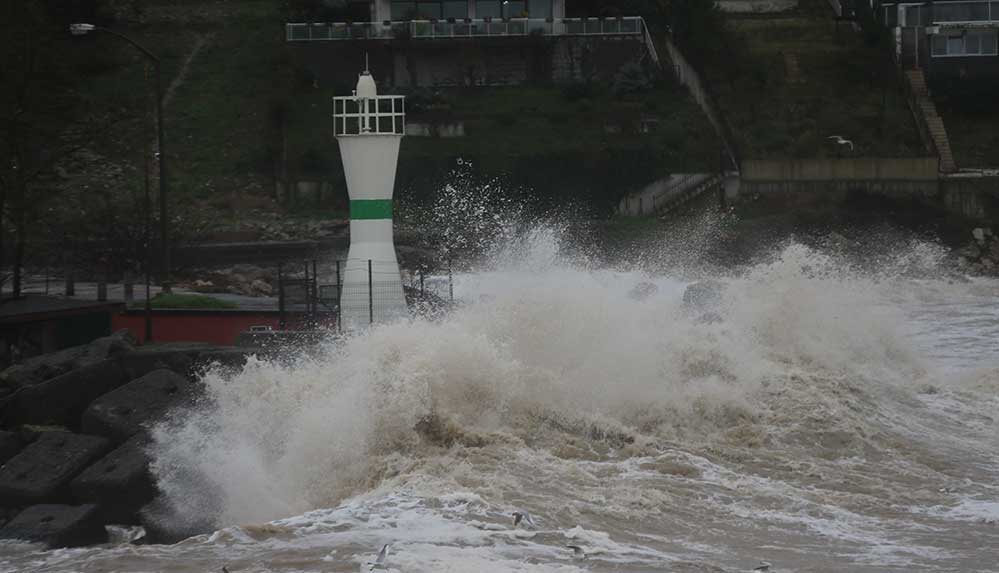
{"x": 471, "y": 42}
{"x": 948, "y": 40}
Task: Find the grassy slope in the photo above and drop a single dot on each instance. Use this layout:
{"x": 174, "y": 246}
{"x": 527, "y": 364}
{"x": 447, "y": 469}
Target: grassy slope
{"x": 845, "y": 87}
{"x": 973, "y": 134}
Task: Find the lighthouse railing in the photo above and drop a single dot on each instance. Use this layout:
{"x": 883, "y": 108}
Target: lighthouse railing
{"x": 380, "y": 115}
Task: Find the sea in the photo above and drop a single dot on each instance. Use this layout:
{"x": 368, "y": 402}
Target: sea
{"x": 800, "y": 409}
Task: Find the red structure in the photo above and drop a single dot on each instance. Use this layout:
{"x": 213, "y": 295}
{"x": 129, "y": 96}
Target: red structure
{"x": 219, "y": 327}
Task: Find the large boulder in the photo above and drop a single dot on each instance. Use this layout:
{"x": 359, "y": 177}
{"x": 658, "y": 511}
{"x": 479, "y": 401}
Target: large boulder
{"x": 124, "y": 412}
{"x": 57, "y": 525}
{"x": 10, "y": 444}
{"x": 119, "y": 483}
{"x": 41, "y": 368}
{"x": 176, "y": 357}
{"x": 61, "y": 400}
{"x": 41, "y": 472}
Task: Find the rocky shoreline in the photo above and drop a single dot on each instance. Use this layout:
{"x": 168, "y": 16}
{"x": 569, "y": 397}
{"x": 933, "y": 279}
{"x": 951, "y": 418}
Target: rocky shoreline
{"x": 981, "y": 255}
{"x": 74, "y": 433}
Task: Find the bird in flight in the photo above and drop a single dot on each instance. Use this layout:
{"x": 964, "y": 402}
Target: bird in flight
{"x": 577, "y": 551}
{"x": 840, "y": 140}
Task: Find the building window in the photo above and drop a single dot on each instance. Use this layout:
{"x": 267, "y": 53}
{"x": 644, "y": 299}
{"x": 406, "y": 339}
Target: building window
{"x": 488, "y": 9}
{"x": 403, "y": 10}
{"x": 457, "y": 10}
{"x": 961, "y": 12}
{"x": 514, "y": 9}
{"x": 540, "y": 8}
{"x": 965, "y": 43}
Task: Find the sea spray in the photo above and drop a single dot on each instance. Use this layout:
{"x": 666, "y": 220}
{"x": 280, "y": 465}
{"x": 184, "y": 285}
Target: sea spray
{"x": 535, "y": 340}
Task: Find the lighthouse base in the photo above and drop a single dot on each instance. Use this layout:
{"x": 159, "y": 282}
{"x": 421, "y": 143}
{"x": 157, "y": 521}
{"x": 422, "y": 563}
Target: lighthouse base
{"x": 372, "y": 289}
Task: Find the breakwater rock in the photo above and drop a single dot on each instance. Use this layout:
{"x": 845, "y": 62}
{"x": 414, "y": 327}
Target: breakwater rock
{"x": 981, "y": 255}
{"x": 74, "y": 433}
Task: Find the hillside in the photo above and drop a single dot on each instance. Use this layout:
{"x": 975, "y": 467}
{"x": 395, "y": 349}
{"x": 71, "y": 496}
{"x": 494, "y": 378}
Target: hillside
{"x": 788, "y": 81}
{"x": 240, "y": 111}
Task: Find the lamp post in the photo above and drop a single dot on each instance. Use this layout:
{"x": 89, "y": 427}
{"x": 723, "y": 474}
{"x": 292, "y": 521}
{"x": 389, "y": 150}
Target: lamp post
{"x": 83, "y": 29}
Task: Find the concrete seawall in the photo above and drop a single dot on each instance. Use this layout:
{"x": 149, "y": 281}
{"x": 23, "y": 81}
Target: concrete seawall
{"x": 804, "y": 183}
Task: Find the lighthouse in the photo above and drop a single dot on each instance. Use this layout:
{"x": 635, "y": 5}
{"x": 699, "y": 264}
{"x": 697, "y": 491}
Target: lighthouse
{"x": 369, "y": 128}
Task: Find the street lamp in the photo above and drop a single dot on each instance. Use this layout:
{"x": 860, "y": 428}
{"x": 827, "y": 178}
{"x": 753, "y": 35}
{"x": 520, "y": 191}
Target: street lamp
{"x": 81, "y": 29}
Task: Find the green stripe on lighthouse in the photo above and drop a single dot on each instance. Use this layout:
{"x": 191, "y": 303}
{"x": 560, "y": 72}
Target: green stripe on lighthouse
{"x": 371, "y": 209}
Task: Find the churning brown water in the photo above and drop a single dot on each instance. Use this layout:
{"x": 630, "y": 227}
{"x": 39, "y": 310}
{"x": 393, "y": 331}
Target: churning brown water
{"x": 812, "y": 417}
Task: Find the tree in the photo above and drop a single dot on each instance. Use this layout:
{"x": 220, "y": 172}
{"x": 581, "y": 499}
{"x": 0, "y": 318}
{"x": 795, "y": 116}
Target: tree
{"x": 38, "y": 123}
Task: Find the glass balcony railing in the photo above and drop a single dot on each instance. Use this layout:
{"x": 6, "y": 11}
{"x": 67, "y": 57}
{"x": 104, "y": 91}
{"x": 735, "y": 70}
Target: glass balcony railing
{"x": 926, "y": 14}
{"x": 464, "y": 28}
{"x": 980, "y": 11}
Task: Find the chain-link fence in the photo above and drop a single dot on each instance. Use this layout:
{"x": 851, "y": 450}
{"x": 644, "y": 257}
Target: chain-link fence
{"x": 353, "y": 293}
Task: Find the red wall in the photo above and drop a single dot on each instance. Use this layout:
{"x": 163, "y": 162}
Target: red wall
{"x": 215, "y": 328}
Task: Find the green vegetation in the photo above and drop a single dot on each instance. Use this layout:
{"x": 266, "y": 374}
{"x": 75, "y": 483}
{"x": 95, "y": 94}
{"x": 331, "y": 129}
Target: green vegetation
{"x": 787, "y": 82}
{"x": 175, "y": 300}
{"x": 973, "y": 130}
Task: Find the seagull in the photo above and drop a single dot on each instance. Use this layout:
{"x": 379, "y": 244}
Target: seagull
{"x": 379, "y": 562}
{"x": 577, "y": 551}
{"x": 839, "y": 139}
{"x": 519, "y": 516}
{"x": 763, "y": 567}
{"x": 225, "y": 569}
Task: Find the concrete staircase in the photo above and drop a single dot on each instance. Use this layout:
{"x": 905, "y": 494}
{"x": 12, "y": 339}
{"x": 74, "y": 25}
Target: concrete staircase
{"x": 667, "y": 194}
{"x": 932, "y": 120}
{"x": 677, "y": 200}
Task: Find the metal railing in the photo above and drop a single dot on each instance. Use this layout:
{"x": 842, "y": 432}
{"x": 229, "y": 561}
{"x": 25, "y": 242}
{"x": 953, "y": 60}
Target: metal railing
{"x": 945, "y": 13}
{"x": 380, "y": 115}
{"x": 464, "y": 28}
{"x": 325, "y": 296}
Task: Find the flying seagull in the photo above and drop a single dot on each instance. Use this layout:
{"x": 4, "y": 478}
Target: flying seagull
{"x": 839, "y": 139}
{"x": 522, "y": 516}
{"x": 577, "y": 551}
{"x": 764, "y": 567}
{"x": 380, "y": 560}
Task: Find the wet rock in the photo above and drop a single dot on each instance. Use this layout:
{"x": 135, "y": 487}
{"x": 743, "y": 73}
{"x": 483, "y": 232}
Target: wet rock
{"x": 178, "y": 358}
{"x": 10, "y": 445}
{"x": 61, "y": 400}
{"x": 703, "y": 295}
{"x": 122, "y": 413}
{"x": 232, "y": 359}
{"x": 47, "y": 366}
{"x": 119, "y": 483}
{"x": 163, "y": 525}
{"x": 57, "y": 525}
{"x": 643, "y": 290}
{"x": 261, "y": 288}
{"x": 41, "y": 472}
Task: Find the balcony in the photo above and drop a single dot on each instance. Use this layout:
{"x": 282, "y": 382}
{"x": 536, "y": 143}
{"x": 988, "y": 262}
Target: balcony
{"x": 969, "y": 13}
{"x": 966, "y": 12}
{"x": 464, "y": 28}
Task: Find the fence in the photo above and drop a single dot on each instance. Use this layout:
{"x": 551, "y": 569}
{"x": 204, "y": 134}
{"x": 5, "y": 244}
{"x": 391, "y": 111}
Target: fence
{"x": 700, "y": 91}
{"x": 463, "y": 28}
{"x": 358, "y": 292}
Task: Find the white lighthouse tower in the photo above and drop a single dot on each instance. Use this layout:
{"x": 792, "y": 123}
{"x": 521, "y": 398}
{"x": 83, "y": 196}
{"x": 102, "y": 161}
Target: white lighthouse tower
{"x": 369, "y": 128}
